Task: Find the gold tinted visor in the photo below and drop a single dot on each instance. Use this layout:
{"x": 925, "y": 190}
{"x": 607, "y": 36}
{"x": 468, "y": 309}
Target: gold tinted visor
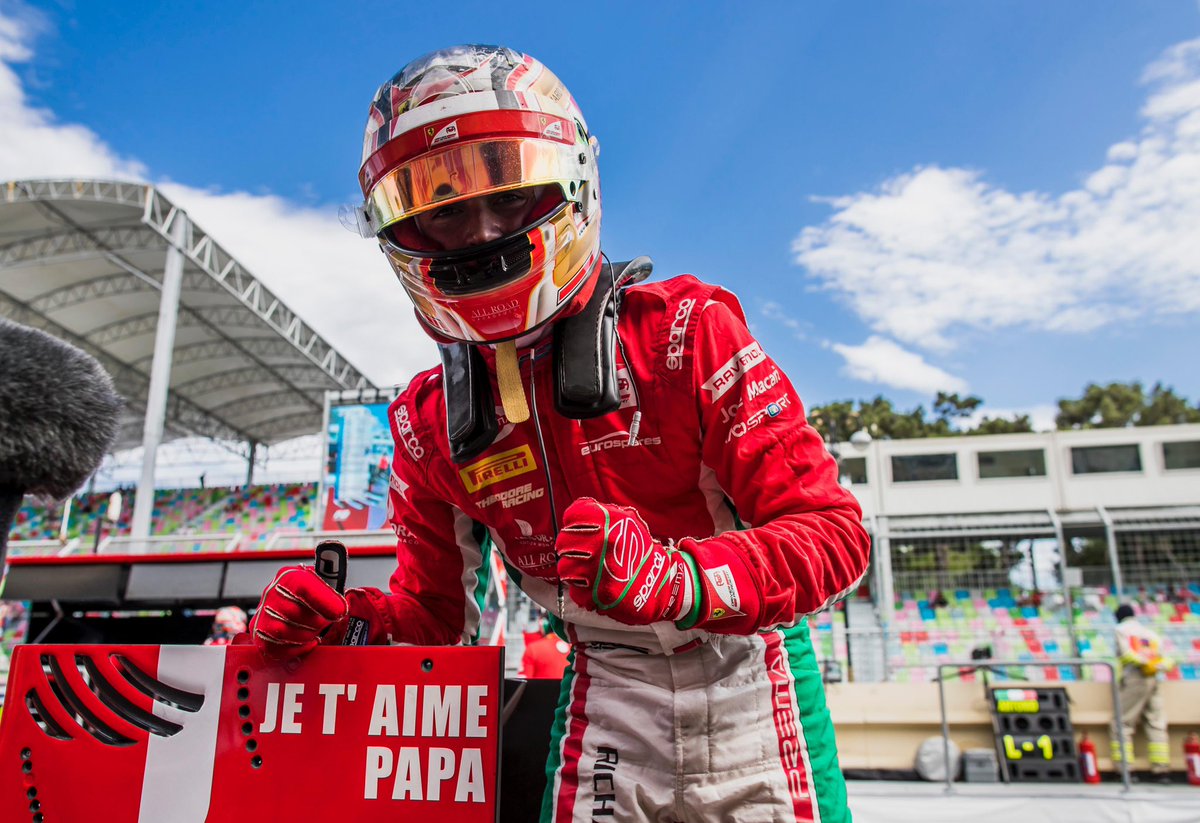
{"x": 469, "y": 170}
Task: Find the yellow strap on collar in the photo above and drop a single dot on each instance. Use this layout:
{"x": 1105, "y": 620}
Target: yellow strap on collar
{"x": 512, "y": 392}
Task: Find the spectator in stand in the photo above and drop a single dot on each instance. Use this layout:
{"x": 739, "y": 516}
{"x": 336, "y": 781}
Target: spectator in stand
{"x": 1142, "y": 665}
{"x": 1093, "y": 601}
{"x": 228, "y": 622}
{"x": 937, "y": 600}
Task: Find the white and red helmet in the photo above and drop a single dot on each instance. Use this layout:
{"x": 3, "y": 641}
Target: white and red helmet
{"x": 478, "y": 120}
{"x": 230, "y": 620}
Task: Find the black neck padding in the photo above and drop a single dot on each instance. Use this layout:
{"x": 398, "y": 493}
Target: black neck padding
{"x": 471, "y": 421}
{"x": 585, "y": 361}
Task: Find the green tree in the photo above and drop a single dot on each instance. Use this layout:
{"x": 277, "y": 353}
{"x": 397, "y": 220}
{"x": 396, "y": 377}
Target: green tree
{"x": 881, "y": 419}
{"x": 840, "y": 419}
{"x": 1102, "y": 407}
{"x": 1019, "y": 424}
{"x": 835, "y": 421}
{"x": 1165, "y": 408}
{"x": 949, "y": 408}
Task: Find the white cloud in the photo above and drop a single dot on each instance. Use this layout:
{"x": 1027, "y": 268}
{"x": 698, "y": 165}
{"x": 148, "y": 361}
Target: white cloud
{"x": 879, "y": 360}
{"x": 939, "y": 251}
{"x": 778, "y": 313}
{"x": 35, "y": 145}
{"x": 339, "y": 283}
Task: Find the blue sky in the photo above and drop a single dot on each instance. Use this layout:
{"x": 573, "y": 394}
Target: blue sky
{"x": 994, "y": 197}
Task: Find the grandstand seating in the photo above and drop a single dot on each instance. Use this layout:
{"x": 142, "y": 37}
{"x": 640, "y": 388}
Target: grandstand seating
{"x": 255, "y": 512}
{"x": 258, "y": 511}
{"x": 926, "y": 635}
{"x": 1015, "y": 625}
{"x": 828, "y": 634}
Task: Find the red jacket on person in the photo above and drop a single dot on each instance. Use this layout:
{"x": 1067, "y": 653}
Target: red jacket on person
{"x": 545, "y": 657}
{"x": 723, "y": 452}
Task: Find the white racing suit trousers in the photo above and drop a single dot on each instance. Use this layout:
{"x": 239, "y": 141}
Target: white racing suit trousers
{"x": 734, "y": 729}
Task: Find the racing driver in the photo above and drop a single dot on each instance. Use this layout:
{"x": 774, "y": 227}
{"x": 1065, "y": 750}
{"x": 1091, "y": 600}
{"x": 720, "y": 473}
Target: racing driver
{"x": 642, "y": 465}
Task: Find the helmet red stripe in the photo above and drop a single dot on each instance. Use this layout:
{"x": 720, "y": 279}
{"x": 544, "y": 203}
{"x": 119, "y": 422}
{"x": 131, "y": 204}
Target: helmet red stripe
{"x": 473, "y": 126}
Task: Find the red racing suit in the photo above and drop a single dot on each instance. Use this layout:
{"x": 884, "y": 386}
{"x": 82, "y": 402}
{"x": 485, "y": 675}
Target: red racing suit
{"x": 545, "y": 657}
{"x": 723, "y": 452}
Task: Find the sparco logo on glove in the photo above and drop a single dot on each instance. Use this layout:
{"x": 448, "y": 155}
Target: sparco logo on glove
{"x": 647, "y": 588}
{"x": 626, "y": 550}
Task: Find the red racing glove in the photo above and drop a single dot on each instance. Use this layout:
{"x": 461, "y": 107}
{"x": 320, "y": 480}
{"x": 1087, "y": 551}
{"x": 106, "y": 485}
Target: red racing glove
{"x": 300, "y": 611}
{"x": 613, "y": 565}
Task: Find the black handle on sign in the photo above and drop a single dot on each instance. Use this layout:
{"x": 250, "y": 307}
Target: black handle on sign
{"x": 331, "y": 564}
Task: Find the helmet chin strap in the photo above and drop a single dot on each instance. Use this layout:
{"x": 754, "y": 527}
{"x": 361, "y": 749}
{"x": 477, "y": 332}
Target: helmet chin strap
{"x": 585, "y": 369}
{"x": 508, "y": 375}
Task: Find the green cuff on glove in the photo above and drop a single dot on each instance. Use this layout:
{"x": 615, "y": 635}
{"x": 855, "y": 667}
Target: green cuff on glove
{"x": 693, "y": 616}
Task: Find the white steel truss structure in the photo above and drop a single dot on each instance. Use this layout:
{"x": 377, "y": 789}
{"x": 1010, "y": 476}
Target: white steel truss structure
{"x": 84, "y": 260}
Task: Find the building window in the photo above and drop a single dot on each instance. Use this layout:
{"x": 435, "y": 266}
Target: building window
{"x": 853, "y": 469}
{"x": 1185, "y": 455}
{"x": 1016, "y": 463}
{"x": 911, "y": 468}
{"x": 1098, "y": 459}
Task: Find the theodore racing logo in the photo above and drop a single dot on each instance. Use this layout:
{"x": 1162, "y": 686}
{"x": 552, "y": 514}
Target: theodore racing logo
{"x": 498, "y": 467}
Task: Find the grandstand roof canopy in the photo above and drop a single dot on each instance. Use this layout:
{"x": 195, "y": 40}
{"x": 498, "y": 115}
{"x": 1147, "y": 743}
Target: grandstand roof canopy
{"x": 84, "y": 259}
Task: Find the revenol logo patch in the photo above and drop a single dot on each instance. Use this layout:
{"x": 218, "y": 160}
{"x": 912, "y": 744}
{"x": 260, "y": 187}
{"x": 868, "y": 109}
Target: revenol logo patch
{"x": 497, "y": 467}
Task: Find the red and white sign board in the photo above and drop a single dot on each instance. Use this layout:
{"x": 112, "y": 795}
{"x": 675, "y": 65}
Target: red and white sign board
{"x": 188, "y": 734}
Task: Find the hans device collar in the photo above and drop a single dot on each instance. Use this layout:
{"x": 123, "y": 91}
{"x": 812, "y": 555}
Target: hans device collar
{"x": 585, "y": 367}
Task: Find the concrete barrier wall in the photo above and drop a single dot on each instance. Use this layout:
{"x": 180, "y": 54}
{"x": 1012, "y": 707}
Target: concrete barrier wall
{"x": 881, "y": 725}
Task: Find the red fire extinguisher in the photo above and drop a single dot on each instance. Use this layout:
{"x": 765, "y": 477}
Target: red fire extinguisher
{"x": 1087, "y": 760}
{"x": 1191, "y": 756}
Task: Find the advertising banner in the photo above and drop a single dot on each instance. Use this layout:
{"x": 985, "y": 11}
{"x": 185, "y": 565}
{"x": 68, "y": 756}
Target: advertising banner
{"x": 358, "y": 459}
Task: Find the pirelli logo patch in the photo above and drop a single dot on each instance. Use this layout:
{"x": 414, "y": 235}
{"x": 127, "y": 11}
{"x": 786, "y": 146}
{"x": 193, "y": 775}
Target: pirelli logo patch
{"x": 497, "y": 467}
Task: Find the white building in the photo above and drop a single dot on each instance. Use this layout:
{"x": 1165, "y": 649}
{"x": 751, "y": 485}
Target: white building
{"x": 1061, "y": 471}
{"x": 1120, "y": 505}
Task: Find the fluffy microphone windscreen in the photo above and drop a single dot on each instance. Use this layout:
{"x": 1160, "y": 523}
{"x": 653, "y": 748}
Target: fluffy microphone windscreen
{"x": 58, "y": 413}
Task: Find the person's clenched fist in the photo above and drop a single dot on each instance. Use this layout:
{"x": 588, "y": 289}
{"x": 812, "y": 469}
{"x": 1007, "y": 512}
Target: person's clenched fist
{"x": 612, "y": 565}
{"x": 295, "y": 611}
